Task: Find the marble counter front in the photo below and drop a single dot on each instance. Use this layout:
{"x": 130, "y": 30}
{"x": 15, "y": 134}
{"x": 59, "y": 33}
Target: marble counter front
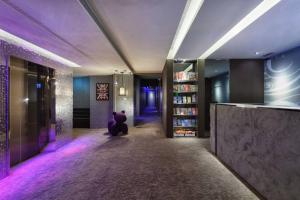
{"x": 261, "y": 144}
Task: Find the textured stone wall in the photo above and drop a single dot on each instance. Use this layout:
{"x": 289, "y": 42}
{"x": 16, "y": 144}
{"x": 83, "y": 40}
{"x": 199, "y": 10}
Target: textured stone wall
{"x": 125, "y": 102}
{"x": 64, "y": 100}
{"x": 212, "y": 127}
{"x": 262, "y": 146}
{"x": 4, "y": 151}
{"x": 11, "y": 50}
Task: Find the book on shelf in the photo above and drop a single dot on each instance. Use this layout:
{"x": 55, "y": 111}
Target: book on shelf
{"x": 179, "y": 99}
{"x": 185, "y": 111}
{"x": 185, "y": 76}
{"x": 183, "y": 132}
{"x": 182, "y": 111}
{"x": 185, "y": 88}
{"x": 188, "y": 99}
{"x": 184, "y": 99}
{"x": 189, "y": 111}
{"x": 194, "y": 111}
{"x": 194, "y": 99}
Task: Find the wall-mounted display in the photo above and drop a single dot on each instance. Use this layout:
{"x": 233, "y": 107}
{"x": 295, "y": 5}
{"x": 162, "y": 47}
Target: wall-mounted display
{"x": 102, "y": 91}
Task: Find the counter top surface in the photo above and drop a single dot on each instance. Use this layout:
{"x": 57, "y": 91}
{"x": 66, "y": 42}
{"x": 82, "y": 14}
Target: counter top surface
{"x": 241, "y": 105}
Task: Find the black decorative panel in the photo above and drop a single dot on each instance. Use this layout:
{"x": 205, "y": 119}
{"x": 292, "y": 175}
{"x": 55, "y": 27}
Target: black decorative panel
{"x": 4, "y": 158}
{"x": 282, "y": 79}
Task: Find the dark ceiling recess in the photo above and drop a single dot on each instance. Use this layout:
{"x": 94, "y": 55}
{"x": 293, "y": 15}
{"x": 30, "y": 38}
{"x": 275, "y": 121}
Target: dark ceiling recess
{"x": 90, "y": 8}
{"x": 152, "y": 83}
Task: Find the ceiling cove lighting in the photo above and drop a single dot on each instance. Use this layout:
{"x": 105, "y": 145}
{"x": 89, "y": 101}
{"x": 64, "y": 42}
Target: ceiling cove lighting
{"x": 12, "y": 39}
{"x": 190, "y": 11}
{"x": 257, "y": 12}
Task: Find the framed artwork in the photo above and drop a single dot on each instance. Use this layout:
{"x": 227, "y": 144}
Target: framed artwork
{"x": 102, "y": 91}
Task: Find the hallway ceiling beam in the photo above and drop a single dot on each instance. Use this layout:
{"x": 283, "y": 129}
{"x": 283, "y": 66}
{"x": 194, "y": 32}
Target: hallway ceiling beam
{"x": 90, "y": 8}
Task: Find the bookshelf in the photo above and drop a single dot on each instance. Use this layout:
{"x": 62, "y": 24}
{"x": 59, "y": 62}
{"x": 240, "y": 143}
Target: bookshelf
{"x": 183, "y": 107}
{"x": 185, "y": 98}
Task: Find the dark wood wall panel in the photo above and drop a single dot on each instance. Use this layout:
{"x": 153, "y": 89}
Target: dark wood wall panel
{"x": 201, "y": 99}
{"x": 167, "y": 82}
{"x": 246, "y": 81}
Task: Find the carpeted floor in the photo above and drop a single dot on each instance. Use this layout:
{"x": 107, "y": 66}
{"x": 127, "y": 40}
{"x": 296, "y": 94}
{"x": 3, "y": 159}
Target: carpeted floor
{"x": 142, "y": 165}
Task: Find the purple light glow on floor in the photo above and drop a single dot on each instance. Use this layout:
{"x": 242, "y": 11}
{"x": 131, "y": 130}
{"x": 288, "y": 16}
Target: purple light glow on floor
{"x": 37, "y": 173}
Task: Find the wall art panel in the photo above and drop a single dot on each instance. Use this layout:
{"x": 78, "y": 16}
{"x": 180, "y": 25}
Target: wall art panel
{"x": 282, "y": 79}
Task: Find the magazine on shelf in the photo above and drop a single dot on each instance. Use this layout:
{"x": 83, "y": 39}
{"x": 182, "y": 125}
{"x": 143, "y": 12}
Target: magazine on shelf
{"x": 185, "y": 76}
{"x": 184, "y": 99}
{"x": 188, "y": 99}
{"x": 194, "y": 98}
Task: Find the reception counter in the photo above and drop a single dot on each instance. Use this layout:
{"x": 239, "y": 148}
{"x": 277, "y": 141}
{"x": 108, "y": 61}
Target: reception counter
{"x": 261, "y": 144}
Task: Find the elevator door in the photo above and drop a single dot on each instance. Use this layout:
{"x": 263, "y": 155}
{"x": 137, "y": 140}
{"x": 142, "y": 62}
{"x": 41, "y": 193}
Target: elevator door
{"x": 24, "y": 120}
{"x": 18, "y": 111}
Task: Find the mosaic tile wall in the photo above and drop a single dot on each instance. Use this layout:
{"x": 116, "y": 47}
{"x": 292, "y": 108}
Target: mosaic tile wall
{"x": 64, "y": 100}
{"x": 4, "y": 158}
{"x": 124, "y": 102}
{"x": 20, "y": 52}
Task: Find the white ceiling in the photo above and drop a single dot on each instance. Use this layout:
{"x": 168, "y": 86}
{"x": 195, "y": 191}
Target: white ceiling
{"x": 144, "y": 30}
{"x": 64, "y": 28}
{"x": 277, "y": 31}
{"x": 214, "y": 19}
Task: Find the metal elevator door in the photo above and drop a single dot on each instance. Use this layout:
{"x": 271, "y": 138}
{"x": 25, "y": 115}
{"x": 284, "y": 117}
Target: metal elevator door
{"x": 23, "y": 112}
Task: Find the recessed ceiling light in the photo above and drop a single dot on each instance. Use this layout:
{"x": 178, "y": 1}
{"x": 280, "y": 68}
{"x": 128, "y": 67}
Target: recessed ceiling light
{"x": 257, "y": 12}
{"x": 257, "y": 53}
{"x": 10, "y": 38}
{"x": 190, "y": 11}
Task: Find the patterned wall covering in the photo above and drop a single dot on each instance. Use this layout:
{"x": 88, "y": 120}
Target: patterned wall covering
{"x": 282, "y": 79}
{"x": 4, "y": 158}
{"x": 64, "y": 100}
{"x": 124, "y": 102}
{"x": 20, "y": 52}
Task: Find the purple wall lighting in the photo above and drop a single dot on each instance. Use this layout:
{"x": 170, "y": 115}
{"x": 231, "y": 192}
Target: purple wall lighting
{"x": 4, "y": 153}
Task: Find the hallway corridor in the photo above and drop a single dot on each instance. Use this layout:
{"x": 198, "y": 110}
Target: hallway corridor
{"x": 142, "y": 165}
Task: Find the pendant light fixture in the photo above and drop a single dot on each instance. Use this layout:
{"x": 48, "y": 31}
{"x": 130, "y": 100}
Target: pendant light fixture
{"x": 122, "y": 90}
{"x": 115, "y": 82}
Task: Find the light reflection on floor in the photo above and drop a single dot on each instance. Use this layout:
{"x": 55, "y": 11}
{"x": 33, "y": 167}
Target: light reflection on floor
{"x": 30, "y": 175}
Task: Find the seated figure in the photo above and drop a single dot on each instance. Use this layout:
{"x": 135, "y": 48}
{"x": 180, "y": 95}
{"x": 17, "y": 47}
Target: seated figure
{"x": 117, "y": 125}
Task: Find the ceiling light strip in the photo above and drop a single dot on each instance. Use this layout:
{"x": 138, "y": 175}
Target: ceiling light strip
{"x": 257, "y": 12}
{"x": 190, "y": 12}
{"x": 12, "y": 39}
